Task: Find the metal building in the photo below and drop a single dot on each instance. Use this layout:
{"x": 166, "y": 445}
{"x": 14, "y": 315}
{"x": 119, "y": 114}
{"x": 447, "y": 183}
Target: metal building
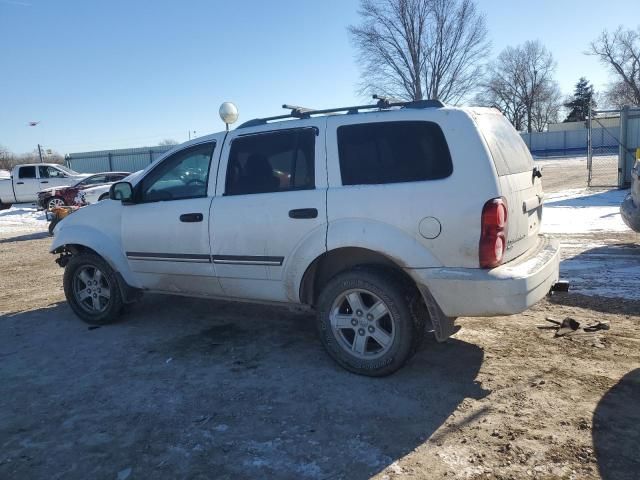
{"x": 121, "y": 160}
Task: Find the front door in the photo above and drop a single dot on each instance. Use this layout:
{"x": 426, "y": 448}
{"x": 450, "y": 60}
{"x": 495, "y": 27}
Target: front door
{"x": 165, "y": 233}
{"x": 26, "y": 186}
{"x": 270, "y": 201}
{"x": 54, "y": 177}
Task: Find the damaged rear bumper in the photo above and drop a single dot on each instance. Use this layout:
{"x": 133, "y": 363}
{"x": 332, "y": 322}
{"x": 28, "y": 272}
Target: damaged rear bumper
{"x": 505, "y": 290}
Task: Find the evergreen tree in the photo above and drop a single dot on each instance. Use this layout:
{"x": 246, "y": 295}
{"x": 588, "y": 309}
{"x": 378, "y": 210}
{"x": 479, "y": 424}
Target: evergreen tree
{"x": 578, "y": 105}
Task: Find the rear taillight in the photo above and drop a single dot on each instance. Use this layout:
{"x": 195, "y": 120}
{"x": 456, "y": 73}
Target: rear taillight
{"x": 493, "y": 235}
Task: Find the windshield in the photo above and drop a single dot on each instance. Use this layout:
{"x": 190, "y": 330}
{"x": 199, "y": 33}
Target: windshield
{"x": 67, "y": 170}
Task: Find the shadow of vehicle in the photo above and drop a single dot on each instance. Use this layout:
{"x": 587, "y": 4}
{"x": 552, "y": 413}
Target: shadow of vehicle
{"x": 200, "y": 389}
{"x": 28, "y": 236}
{"x": 616, "y": 430}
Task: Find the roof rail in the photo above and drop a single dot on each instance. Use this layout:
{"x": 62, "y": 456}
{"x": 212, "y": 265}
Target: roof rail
{"x": 383, "y": 103}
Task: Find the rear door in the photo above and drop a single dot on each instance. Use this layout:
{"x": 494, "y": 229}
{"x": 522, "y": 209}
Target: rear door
{"x": 27, "y": 185}
{"x": 271, "y": 197}
{"x": 518, "y": 181}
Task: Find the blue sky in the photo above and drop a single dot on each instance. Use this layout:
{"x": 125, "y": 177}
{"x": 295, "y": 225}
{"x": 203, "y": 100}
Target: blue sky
{"x": 110, "y": 74}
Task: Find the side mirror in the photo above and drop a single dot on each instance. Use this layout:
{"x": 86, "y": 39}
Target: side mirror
{"x": 122, "y": 191}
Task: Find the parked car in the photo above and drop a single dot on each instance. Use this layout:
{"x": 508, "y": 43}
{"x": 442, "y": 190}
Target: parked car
{"x": 91, "y": 195}
{"x": 395, "y": 218}
{"x": 60, "y": 196}
{"x": 630, "y": 207}
{"x": 27, "y": 180}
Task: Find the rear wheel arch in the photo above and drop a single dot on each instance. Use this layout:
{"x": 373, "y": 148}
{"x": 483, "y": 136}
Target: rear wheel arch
{"x": 333, "y": 262}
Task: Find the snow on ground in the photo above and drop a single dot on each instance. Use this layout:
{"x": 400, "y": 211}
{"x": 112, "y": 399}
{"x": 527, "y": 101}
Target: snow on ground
{"x": 600, "y": 254}
{"x": 582, "y": 210}
{"x": 22, "y": 218}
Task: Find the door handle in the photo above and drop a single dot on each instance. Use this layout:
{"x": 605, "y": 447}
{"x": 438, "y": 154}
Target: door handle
{"x": 191, "y": 217}
{"x": 45, "y": 181}
{"x": 303, "y": 213}
{"x": 19, "y": 183}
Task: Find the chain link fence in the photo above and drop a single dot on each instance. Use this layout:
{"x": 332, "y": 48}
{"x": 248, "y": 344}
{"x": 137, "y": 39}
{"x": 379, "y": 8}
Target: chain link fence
{"x": 603, "y": 147}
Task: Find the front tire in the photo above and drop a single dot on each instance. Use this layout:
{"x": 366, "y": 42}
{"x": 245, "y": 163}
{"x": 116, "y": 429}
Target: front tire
{"x": 365, "y": 321}
{"x": 92, "y": 289}
{"x": 54, "y": 202}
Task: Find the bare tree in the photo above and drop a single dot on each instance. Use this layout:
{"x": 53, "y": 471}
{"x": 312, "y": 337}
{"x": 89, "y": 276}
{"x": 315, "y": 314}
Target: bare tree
{"x": 620, "y": 51}
{"x": 167, "y": 142}
{"x": 414, "y": 49}
{"x": 520, "y": 84}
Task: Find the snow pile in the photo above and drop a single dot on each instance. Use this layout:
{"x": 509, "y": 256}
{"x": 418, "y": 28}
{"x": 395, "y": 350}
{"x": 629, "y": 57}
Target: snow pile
{"x": 22, "y": 218}
{"x": 583, "y": 211}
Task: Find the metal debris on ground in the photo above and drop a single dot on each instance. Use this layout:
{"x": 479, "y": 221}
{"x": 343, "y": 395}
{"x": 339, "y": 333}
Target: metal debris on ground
{"x": 570, "y": 326}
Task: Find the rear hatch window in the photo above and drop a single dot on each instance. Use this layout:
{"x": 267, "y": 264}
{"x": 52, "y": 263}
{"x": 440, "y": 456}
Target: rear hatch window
{"x": 510, "y": 153}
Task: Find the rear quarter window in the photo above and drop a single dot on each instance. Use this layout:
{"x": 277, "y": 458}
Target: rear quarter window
{"x": 392, "y": 152}
{"x": 510, "y": 153}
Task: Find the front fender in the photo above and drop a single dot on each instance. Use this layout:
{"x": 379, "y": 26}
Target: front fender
{"x": 104, "y": 245}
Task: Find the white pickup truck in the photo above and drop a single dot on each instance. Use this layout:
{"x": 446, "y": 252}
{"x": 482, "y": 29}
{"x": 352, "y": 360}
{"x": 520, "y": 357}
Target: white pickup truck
{"x": 27, "y": 180}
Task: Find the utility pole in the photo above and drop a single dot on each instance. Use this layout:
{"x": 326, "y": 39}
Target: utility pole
{"x": 40, "y": 152}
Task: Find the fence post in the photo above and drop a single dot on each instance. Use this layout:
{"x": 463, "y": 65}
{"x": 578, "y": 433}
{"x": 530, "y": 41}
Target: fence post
{"x": 150, "y": 156}
{"x": 622, "y": 148}
{"x": 109, "y": 159}
{"x": 564, "y": 142}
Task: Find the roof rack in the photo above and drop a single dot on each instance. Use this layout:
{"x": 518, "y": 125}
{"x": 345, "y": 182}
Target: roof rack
{"x": 383, "y": 103}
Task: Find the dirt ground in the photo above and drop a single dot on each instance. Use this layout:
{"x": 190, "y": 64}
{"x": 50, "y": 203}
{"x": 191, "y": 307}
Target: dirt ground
{"x": 185, "y": 388}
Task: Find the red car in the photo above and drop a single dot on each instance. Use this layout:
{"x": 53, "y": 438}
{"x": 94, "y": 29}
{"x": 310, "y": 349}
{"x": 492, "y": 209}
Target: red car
{"x": 60, "y": 196}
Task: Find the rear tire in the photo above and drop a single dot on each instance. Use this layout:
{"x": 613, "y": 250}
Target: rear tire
{"x": 92, "y": 289}
{"x": 366, "y": 323}
{"x": 5, "y": 206}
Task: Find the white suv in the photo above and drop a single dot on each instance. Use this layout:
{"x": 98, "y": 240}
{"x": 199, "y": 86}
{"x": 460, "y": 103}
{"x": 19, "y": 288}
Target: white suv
{"x": 386, "y": 219}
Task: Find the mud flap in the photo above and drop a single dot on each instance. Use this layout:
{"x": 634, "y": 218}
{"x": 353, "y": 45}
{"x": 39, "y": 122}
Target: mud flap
{"x": 443, "y": 326}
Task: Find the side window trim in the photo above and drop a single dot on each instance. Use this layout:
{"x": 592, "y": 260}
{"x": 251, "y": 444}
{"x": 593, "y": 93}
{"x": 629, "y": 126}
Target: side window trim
{"x": 138, "y": 189}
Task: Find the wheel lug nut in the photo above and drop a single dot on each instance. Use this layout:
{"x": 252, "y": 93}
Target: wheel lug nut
{"x": 94, "y": 295}
{"x": 354, "y": 322}
{"x": 369, "y": 317}
{"x": 359, "y": 313}
{"x": 371, "y": 329}
{"x": 361, "y": 331}
{"x": 88, "y": 290}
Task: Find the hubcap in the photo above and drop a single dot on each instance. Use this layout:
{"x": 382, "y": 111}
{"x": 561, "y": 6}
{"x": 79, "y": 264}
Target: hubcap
{"x": 55, "y": 202}
{"x": 91, "y": 289}
{"x": 362, "y": 324}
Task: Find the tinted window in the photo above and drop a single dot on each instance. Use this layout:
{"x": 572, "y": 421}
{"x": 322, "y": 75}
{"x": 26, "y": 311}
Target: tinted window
{"x": 116, "y": 176}
{"x": 27, "y": 172}
{"x": 272, "y": 162}
{"x": 93, "y": 180}
{"x": 184, "y": 174}
{"x": 392, "y": 152}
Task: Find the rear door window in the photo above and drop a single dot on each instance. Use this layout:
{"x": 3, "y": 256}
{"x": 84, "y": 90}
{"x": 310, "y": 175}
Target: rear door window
{"x": 392, "y": 152}
{"x": 27, "y": 172}
{"x": 510, "y": 153}
{"x": 272, "y": 162}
